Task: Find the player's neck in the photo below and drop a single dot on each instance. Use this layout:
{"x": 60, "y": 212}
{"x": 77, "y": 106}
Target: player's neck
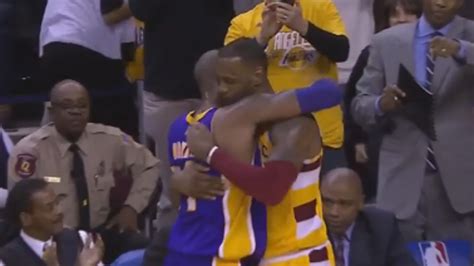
{"x": 204, "y": 106}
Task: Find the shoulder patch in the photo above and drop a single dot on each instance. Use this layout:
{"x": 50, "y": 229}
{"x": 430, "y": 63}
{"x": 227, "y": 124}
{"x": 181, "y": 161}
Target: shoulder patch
{"x": 25, "y": 165}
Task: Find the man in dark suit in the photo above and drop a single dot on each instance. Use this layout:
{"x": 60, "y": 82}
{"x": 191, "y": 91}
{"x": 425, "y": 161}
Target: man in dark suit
{"x": 42, "y": 241}
{"x": 360, "y": 236}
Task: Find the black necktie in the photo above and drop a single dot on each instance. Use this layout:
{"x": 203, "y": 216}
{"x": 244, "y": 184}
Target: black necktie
{"x": 430, "y": 66}
{"x": 3, "y": 162}
{"x": 79, "y": 176}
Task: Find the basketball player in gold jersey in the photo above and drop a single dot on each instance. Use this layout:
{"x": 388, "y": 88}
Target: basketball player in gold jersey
{"x": 296, "y": 232}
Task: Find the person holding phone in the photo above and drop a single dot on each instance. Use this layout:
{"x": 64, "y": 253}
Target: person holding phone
{"x": 304, "y": 40}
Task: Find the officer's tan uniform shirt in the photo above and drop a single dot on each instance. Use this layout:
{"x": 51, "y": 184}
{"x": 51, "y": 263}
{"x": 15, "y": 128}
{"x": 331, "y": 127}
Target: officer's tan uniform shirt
{"x": 104, "y": 150}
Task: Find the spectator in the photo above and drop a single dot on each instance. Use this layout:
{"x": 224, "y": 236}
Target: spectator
{"x": 176, "y": 34}
{"x": 81, "y": 40}
{"x": 360, "y": 235}
{"x": 34, "y": 207}
{"x": 82, "y": 162}
{"x": 426, "y": 183}
{"x": 303, "y": 43}
{"x": 358, "y": 17}
{"x": 362, "y": 151}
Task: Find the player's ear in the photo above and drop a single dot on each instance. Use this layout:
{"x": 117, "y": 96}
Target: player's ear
{"x": 259, "y": 75}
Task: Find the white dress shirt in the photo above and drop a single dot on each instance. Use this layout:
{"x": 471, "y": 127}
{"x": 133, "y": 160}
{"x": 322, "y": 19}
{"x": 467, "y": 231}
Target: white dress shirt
{"x": 8, "y": 145}
{"x": 36, "y": 245}
{"x": 359, "y": 20}
{"x": 80, "y": 22}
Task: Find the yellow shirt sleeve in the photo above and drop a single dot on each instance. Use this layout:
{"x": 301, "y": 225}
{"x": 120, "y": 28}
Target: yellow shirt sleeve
{"x": 236, "y": 30}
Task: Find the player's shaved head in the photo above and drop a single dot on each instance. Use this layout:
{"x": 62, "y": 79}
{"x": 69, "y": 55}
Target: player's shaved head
{"x": 344, "y": 176}
{"x": 343, "y": 198}
{"x": 64, "y": 87}
{"x": 205, "y": 72}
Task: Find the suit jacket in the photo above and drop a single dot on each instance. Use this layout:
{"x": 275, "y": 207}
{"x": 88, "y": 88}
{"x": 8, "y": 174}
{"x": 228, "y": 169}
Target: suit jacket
{"x": 376, "y": 241}
{"x": 17, "y": 252}
{"x": 403, "y": 151}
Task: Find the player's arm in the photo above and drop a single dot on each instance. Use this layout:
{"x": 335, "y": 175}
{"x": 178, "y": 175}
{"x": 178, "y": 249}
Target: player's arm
{"x": 292, "y": 144}
{"x": 192, "y": 180}
{"x": 260, "y": 108}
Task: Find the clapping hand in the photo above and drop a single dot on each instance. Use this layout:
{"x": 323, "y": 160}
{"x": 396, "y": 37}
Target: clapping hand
{"x": 92, "y": 253}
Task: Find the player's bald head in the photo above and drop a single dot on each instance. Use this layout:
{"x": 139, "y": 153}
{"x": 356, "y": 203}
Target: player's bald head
{"x": 343, "y": 177}
{"x": 205, "y": 72}
{"x": 67, "y": 87}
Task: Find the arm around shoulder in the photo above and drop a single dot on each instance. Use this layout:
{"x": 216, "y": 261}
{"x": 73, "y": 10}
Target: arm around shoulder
{"x": 323, "y": 94}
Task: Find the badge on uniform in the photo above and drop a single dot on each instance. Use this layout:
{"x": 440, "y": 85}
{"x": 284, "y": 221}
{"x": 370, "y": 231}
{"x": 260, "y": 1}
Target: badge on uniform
{"x": 100, "y": 173}
{"x": 25, "y": 165}
{"x": 53, "y": 179}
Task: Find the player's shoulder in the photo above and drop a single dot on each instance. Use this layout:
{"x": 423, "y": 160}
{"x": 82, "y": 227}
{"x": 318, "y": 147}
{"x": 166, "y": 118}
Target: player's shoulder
{"x": 317, "y": 4}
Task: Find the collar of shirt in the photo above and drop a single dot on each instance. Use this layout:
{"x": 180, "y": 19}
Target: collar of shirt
{"x": 6, "y": 140}
{"x": 425, "y": 30}
{"x": 36, "y": 245}
{"x": 64, "y": 144}
{"x": 349, "y": 230}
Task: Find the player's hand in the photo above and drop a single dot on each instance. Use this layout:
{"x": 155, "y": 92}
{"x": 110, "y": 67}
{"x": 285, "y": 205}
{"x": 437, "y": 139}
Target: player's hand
{"x": 92, "y": 253}
{"x": 444, "y": 47}
{"x": 361, "y": 153}
{"x": 391, "y": 98}
{"x": 50, "y": 255}
{"x": 291, "y": 16}
{"x": 200, "y": 141}
{"x": 270, "y": 25}
{"x": 193, "y": 181}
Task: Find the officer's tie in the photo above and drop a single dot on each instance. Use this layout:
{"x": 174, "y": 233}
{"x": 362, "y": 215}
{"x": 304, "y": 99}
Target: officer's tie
{"x": 79, "y": 176}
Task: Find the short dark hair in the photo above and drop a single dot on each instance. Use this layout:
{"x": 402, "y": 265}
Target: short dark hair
{"x": 19, "y": 198}
{"x": 414, "y": 7}
{"x": 249, "y": 50}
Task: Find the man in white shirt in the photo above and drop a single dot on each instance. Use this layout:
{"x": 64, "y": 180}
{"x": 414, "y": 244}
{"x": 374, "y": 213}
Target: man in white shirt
{"x": 34, "y": 207}
{"x": 359, "y": 20}
{"x": 6, "y": 146}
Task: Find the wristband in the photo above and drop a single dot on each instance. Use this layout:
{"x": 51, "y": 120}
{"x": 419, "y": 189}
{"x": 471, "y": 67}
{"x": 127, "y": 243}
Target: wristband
{"x": 209, "y": 155}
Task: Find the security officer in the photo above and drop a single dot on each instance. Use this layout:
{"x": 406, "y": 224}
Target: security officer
{"x": 80, "y": 159}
